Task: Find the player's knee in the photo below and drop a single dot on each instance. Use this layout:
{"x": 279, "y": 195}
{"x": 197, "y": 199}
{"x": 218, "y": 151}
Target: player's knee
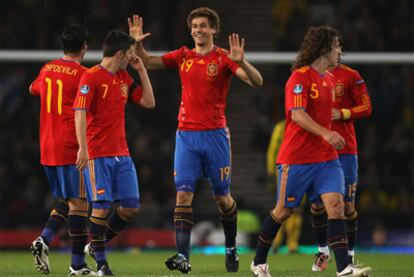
{"x": 335, "y": 208}
{"x": 78, "y": 204}
{"x": 184, "y": 198}
{"x": 349, "y": 207}
{"x": 281, "y": 214}
{"x": 317, "y": 206}
{"x": 225, "y": 203}
{"x": 128, "y": 214}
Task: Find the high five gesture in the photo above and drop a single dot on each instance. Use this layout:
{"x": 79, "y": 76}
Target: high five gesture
{"x": 236, "y": 48}
{"x": 136, "y": 25}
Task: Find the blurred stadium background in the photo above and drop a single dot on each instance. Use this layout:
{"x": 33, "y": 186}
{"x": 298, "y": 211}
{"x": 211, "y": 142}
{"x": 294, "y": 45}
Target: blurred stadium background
{"x": 385, "y": 197}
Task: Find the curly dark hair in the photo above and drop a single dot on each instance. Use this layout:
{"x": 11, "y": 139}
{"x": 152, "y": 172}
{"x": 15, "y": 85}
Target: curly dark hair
{"x": 212, "y": 16}
{"x": 317, "y": 42}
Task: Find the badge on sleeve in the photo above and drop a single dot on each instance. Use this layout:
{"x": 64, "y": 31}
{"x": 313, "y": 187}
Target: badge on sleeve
{"x": 297, "y": 89}
{"x": 84, "y": 89}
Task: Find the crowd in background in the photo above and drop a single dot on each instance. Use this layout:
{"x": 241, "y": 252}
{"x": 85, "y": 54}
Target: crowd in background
{"x": 385, "y": 139}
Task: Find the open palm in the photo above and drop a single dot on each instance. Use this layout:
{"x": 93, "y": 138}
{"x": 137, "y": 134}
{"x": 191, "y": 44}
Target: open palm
{"x": 136, "y": 25}
{"x": 236, "y": 48}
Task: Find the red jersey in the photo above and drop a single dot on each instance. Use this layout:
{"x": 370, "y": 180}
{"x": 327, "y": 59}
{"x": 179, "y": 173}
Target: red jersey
{"x": 103, "y": 95}
{"x": 205, "y": 82}
{"x": 56, "y": 85}
{"x": 352, "y": 99}
{"x": 309, "y": 90}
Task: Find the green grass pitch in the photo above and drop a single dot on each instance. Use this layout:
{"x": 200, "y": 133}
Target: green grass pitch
{"x": 136, "y": 263}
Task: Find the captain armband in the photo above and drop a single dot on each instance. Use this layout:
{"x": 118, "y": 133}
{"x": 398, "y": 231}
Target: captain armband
{"x": 345, "y": 114}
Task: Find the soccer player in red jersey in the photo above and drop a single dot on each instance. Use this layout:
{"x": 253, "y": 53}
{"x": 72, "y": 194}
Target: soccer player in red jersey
{"x": 308, "y": 161}
{"x": 202, "y": 140}
{"x": 100, "y": 129}
{"x": 56, "y": 85}
{"x": 351, "y": 102}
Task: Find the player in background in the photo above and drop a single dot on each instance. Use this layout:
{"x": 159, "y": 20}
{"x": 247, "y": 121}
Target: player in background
{"x": 56, "y": 85}
{"x": 203, "y": 140}
{"x": 308, "y": 161}
{"x": 293, "y": 225}
{"x": 351, "y": 102}
{"x": 100, "y": 129}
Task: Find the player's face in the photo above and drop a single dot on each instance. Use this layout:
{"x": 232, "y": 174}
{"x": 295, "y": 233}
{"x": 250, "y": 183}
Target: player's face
{"x": 201, "y": 31}
{"x": 125, "y": 58}
{"x": 335, "y": 55}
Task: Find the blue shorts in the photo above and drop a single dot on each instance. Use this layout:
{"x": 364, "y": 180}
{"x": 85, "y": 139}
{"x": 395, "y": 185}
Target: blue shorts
{"x": 66, "y": 181}
{"x": 203, "y": 154}
{"x": 349, "y": 164}
{"x": 313, "y": 179}
{"x": 112, "y": 178}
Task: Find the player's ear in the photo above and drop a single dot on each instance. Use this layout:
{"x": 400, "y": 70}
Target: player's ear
{"x": 119, "y": 54}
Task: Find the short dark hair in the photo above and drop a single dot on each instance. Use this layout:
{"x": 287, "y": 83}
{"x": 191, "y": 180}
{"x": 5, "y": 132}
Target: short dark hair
{"x": 74, "y": 37}
{"x": 317, "y": 42}
{"x": 212, "y": 16}
{"x": 116, "y": 40}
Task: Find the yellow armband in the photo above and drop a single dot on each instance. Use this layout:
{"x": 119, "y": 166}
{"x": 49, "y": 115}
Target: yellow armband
{"x": 346, "y": 114}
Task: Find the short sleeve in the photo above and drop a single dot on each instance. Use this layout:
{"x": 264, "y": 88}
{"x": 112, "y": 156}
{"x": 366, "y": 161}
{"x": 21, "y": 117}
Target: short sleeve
{"x": 359, "y": 85}
{"x": 136, "y": 94}
{"x": 85, "y": 93}
{"x": 232, "y": 65}
{"x": 296, "y": 91}
{"x": 173, "y": 58}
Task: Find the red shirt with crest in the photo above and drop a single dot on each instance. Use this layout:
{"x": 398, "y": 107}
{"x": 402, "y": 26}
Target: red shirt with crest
{"x": 103, "y": 95}
{"x": 205, "y": 82}
{"x": 350, "y": 95}
{"x": 56, "y": 85}
{"x": 311, "y": 91}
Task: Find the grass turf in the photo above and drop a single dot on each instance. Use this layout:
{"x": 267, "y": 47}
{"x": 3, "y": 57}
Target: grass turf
{"x": 136, "y": 263}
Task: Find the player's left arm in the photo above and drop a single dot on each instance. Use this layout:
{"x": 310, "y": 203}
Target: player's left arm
{"x": 147, "y": 100}
{"x": 246, "y": 72}
{"x": 360, "y": 96}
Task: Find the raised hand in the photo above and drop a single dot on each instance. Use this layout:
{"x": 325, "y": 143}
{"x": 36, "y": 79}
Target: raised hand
{"x": 135, "y": 28}
{"x": 236, "y": 48}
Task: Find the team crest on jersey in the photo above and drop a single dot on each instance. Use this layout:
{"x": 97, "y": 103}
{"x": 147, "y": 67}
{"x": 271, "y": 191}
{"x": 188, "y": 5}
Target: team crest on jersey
{"x": 84, "y": 89}
{"x": 124, "y": 90}
{"x": 212, "y": 69}
{"x": 297, "y": 89}
{"x": 339, "y": 90}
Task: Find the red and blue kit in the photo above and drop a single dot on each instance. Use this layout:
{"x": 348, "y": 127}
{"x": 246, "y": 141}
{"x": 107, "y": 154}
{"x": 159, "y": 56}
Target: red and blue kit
{"x": 353, "y": 101}
{"x": 313, "y": 92}
{"x": 205, "y": 81}
{"x": 104, "y": 95}
{"x": 56, "y": 85}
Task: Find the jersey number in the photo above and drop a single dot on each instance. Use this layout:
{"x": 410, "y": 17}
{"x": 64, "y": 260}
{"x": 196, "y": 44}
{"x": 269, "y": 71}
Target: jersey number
{"x": 224, "y": 173}
{"x": 314, "y": 91}
{"x": 49, "y": 95}
{"x": 186, "y": 65}
{"x": 105, "y": 86}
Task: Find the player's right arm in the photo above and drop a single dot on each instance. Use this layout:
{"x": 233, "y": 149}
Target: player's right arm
{"x": 80, "y": 126}
{"x": 135, "y": 30}
{"x": 297, "y": 89}
{"x": 34, "y": 88}
{"x": 81, "y": 105}
{"x": 302, "y": 118}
